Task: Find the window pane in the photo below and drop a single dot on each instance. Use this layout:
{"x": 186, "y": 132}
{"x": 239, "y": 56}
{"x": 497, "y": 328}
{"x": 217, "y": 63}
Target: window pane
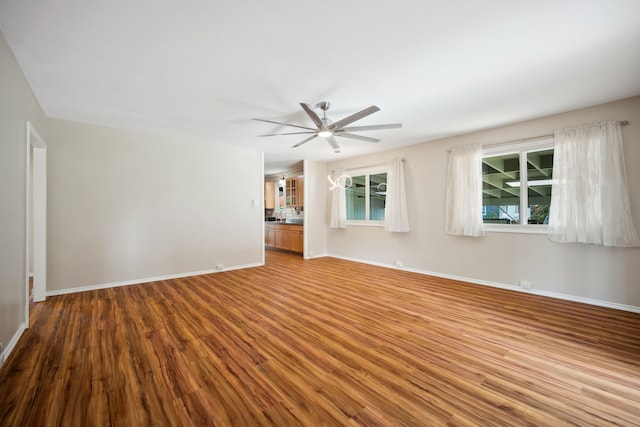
{"x": 355, "y": 195}
{"x": 377, "y": 196}
{"x": 539, "y": 175}
{"x": 501, "y": 189}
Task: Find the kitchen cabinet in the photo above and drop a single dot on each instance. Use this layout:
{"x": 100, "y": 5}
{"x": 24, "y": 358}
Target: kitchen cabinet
{"x": 282, "y": 237}
{"x": 291, "y": 191}
{"x": 269, "y": 195}
{"x": 294, "y": 192}
{"x": 289, "y": 237}
{"x": 270, "y": 235}
{"x": 300, "y": 191}
{"x": 296, "y": 238}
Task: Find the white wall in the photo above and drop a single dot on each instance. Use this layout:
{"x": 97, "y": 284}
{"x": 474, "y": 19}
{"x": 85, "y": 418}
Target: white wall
{"x": 610, "y": 275}
{"x": 17, "y": 105}
{"x": 126, "y": 206}
{"x": 315, "y": 213}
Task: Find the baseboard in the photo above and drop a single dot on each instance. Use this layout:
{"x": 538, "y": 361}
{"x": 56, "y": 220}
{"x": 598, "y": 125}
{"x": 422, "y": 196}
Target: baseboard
{"x": 10, "y": 346}
{"x": 315, "y": 256}
{"x": 549, "y": 294}
{"x": 147, "y": 280}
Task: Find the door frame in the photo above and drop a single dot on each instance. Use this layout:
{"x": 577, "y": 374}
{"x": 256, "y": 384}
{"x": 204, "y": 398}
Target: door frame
{"x": 36, "y": 208}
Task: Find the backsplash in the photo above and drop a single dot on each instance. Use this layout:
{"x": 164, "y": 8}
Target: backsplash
{"x": 288, "y": 213}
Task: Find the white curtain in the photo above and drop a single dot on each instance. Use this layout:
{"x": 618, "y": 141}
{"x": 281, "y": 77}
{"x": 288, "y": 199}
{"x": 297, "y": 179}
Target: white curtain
{"x": 589, "y": 196}
{"x": 396, "y": 217}
{"x": 463, "y": 208}
{"x": 338, "y": 201}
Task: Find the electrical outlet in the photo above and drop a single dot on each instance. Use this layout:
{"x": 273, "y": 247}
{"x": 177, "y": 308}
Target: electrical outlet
{"x": 524, "y": 285}
{"x": 220, "y": 266}
{"x": 398, "y": 264}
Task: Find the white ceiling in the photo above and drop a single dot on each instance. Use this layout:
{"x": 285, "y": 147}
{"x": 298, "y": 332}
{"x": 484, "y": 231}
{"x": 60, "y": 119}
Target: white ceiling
{"x": 205, "y": 68}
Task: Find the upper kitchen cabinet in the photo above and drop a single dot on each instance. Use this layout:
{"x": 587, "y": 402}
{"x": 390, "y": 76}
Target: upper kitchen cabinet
{"x": 295, "y": 192}
{"x": 269, "y": 195}
{"x": 300, "y": 195}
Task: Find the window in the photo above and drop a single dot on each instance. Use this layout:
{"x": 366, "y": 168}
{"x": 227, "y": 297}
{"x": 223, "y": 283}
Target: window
{"x": 366, "y": 197}
{"x": 516, "y": 186}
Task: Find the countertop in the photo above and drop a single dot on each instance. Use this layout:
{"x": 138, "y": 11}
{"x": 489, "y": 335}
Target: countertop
{"x": 287, "y": 222}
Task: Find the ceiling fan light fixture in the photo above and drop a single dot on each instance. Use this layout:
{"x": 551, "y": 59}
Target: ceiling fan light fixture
{"x": 325, "y": 128}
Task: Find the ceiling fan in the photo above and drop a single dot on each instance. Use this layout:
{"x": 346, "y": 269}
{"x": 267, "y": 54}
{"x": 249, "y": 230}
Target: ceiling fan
{"x": 327, "y": 129}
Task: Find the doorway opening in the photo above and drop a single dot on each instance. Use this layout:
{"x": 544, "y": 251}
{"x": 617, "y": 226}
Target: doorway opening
{"x": 36, "y": 245}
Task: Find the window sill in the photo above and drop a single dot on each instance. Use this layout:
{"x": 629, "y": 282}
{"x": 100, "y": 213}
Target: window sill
{"x": 365, "y": 223}
{"x": 524, "y": 229}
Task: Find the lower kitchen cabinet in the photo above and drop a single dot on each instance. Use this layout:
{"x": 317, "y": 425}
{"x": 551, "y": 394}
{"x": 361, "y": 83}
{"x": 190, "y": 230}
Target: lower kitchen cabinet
{"x": 282, "y": 237}
{"x": 270, "y": 235}
{"x": 296, "y": 238}
{"x": 289, "y": 237}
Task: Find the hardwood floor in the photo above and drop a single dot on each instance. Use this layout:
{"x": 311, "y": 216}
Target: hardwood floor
{"x": 321, "y": 342}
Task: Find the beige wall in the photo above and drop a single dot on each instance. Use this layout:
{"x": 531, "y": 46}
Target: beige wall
{"x": 126, "y": 206}
{"x": 602, "y": 274}
{"x": 17, "y": 106}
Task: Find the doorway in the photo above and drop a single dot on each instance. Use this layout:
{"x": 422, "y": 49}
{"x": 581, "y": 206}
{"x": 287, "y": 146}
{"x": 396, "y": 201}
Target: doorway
{"x": 36, "y": 245}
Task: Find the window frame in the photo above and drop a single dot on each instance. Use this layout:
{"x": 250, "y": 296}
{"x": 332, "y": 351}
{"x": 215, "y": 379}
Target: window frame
{"x": 367, "y": 172}
{"x": 520, "y": 148}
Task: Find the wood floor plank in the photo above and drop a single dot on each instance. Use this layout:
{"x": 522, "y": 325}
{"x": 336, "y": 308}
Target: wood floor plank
{"x": 321, "y": 342}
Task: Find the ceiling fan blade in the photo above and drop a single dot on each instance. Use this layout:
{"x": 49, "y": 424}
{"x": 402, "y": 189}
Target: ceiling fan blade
{"x": 312, "y": 114}
{"x": 352, "y": 118}
{"x": 285, "y": 124}
{"x": 305, "y": 141}
{"x": 332, "y": 141}
{"x": 290, "y": 133}
{"x": 372, "y": 127}
{"x": 353, "y": 136}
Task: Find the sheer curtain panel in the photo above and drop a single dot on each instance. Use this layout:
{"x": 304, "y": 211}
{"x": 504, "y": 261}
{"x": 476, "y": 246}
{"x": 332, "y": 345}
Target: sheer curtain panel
{"x": 589, "y": 196}
{"x": 463, "y": 208}
{"x": 396, "y": 217}
{"x": 338, "y": 201}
